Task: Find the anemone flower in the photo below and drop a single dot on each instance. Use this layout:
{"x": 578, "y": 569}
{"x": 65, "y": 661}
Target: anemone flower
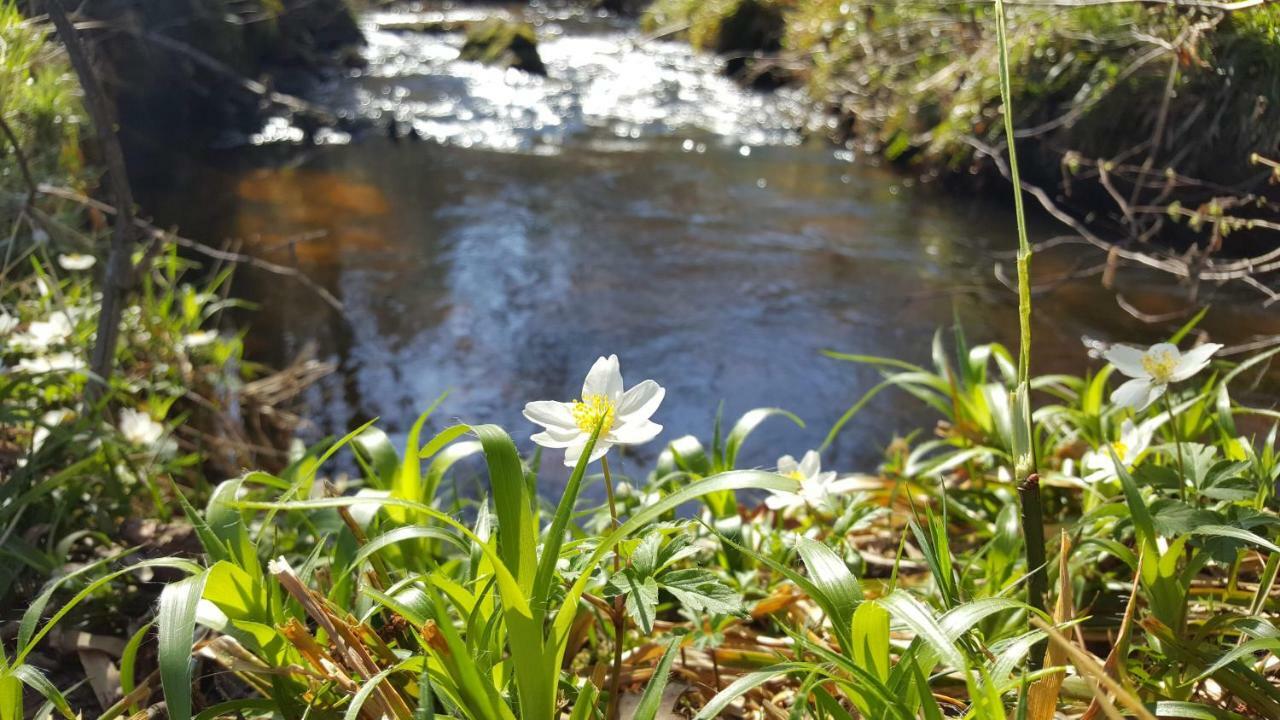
{"x": 1153, "y": 369}
{"x": 141, "y": 430}
{"x": 814, "y": 489}
{"x": 623, "y": 417}
{"x": 76, "y": 261}
{"x": 1098, "y": 465}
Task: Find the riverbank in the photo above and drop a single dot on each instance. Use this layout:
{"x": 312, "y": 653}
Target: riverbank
{"x": 1142, "y": 123}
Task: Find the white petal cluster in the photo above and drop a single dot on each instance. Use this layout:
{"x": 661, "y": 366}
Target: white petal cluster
{"x": 623, "y": 416}
{"x": 141, "y": 430}
{"x": 1099, "y": 465}
{"x": 1153, "y": 369}
{"x": 56, "y": 362}
{"x": 815, "y": 489}
{"x": 44, "y": 334}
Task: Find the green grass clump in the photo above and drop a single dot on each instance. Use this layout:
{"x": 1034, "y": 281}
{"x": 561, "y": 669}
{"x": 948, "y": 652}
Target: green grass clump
{"x": 390, "y": 594}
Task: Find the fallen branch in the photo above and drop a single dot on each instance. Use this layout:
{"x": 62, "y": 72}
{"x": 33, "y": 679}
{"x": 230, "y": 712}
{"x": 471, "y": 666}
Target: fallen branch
{"x": 159, "y": 235}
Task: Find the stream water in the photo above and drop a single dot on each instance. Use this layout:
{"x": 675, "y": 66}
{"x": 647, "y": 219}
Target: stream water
{"x": 634, "y": 202}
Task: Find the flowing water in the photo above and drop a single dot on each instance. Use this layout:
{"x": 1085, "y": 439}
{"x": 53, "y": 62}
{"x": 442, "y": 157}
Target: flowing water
{"x": 634, "y": 202}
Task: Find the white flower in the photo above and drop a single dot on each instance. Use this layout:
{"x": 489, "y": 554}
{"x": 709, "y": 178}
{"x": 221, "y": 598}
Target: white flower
{"x": 623, "y": 417}
{"x": 42, "y": 334}
{"x": 140, "y": 430}
{"x": 815, "y": 489}
{"x": 1153, "y": 369}
{"x": 57, "y": 362}
{"x": 7, "y": 323}
{"x": 138, "y": 427}
{"x": 199, "y": 338}
{"x": 1098, "y": 465}
{"x": 76, "y": 261}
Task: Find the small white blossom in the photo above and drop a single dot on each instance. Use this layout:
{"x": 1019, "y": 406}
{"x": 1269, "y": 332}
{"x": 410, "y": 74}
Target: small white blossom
{"x": 814, "y": 489}
{"x": 57, "y": 362}
{"x": 43, "y": 334}
{"x": 199, "y": 338}
{"x": 1153, "y": 369}
{"x": 140, "y": 430}
{"x": 1098, "y": 465}
{"x": 76, "y": 261}
{"x": 623, "y": 417}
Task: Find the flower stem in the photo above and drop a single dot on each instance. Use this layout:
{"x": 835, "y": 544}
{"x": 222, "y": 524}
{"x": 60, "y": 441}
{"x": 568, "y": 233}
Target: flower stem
{"x": 1177, "y": 442}
{"x": 619, "y": 614}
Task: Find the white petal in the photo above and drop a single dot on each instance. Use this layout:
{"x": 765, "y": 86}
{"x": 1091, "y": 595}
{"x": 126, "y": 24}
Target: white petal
{"x": 1127, "y": 360}
{"x": 641, "y": 401}
{"x": 787, "y": 465}
{"x": 782, "y": 500}
{"x": 550, "y": 413}
{"x": 843, "y": 485}
{"x": 556, "y": 438}
{"x": 1137, "y": 394}
{"x": 1194, "y": 361}
{"x": 1161, "y": 349}
{"x": 574, "y": 452}
{"x": 604, "y": 378}
{"x": 634, "y": 433}
{"x": 810, "y": 464}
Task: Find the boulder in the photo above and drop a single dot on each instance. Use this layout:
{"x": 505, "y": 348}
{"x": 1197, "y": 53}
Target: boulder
{"x": 505, "y": 43}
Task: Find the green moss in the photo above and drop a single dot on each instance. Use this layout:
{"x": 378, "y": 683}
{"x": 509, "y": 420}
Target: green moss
{"x": 39, "y": 102}
{"x": 507, "y": 43}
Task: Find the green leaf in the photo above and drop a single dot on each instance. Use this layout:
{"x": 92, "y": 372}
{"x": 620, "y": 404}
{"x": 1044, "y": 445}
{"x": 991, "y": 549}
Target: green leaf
{"x": 373, "y": 445}
{"x": 1244, "y": 650}
{"x": 651, "y": 699}
{"x": 129, "y": 662}
{"x": 701, "y": 591}
{"x": 542, "y": 582}
{"x": 517, "y": 537}
{"x": 831, "y": 576}
{"x": 920, "y": 619}
{"x": 747, "y": 423}
{"x": 1237, "y": 533}
{"x": 36, "y": 680}
{"x": 1178, "y": 709}
{"x": 177, "y": 623}
{"x": 642, "y": 599}
{"x": 871, "y": 639}
{"x": 362, "y": 695}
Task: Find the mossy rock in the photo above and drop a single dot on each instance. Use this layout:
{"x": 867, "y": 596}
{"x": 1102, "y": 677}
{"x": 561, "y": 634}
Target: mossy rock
{"x": 504, "y": 43}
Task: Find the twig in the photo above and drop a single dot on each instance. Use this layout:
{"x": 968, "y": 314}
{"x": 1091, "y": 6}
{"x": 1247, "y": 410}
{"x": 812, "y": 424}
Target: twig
{"x": 24, "y": 168}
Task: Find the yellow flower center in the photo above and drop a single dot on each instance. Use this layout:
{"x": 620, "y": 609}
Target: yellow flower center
{"x": 1120, "y": 449}
{"x": 592, "y": 411}
{"x": 1160, "y": 366}
{"x": 795, "y": 475}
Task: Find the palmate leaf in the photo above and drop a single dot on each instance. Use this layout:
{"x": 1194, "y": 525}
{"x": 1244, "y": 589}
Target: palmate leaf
{"x": 735, "y": 480}
{"x": 642, "y": 598}
{"x": 701, "y": 591}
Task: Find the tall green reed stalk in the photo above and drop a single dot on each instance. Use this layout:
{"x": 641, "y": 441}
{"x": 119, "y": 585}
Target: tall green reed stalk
{"x": 1024, "y": 453}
